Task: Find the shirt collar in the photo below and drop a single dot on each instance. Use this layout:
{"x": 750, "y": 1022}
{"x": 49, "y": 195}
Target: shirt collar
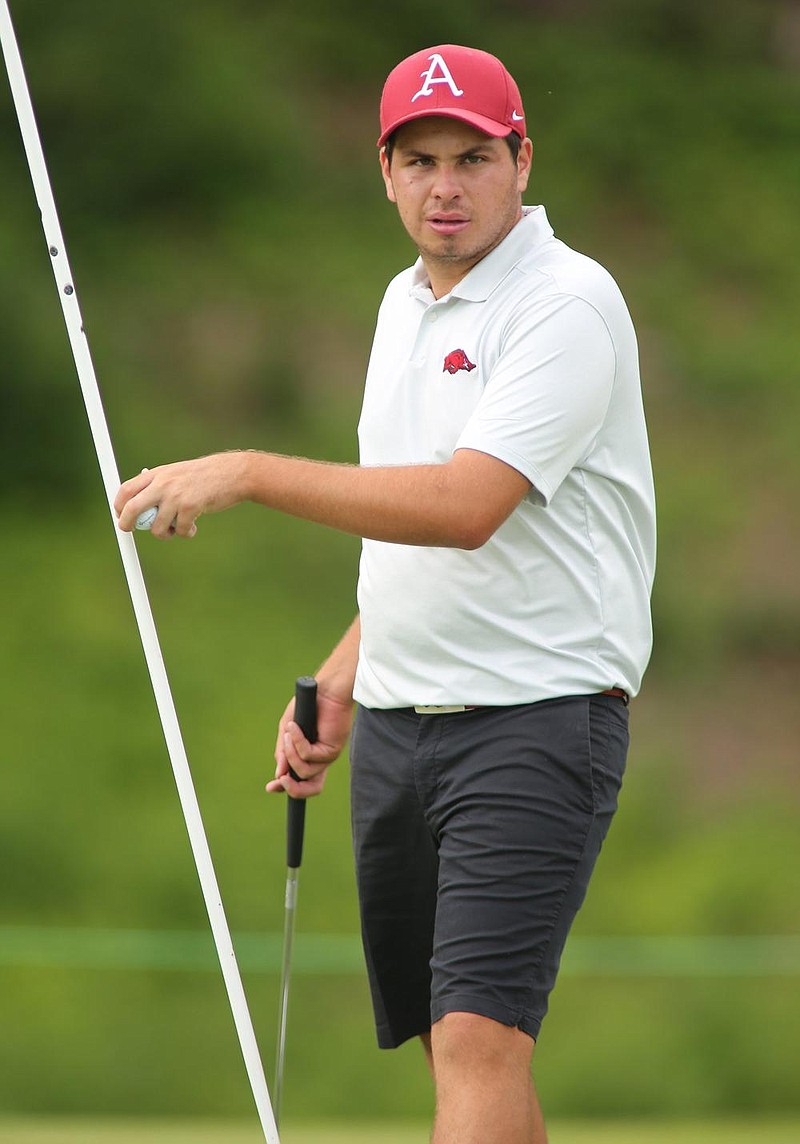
{"x": 531, "y": 231}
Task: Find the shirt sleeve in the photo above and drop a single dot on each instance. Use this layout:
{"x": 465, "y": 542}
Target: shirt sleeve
{"x": 547, "y": 396}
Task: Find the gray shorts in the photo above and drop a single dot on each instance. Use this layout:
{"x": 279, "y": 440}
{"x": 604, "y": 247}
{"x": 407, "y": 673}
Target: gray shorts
{"x": 475, "y": 835}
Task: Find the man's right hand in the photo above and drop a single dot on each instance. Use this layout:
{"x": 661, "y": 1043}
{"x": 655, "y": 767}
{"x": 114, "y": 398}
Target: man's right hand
{"x": 310, "y": 760}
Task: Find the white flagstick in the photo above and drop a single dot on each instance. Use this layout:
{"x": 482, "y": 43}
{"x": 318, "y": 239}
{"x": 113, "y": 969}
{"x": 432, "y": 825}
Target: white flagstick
{"x": 133, "y": 573}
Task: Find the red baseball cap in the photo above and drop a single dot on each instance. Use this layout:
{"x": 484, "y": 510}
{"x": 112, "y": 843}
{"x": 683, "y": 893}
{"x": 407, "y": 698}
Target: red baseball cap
{"x": 460, "y": 83}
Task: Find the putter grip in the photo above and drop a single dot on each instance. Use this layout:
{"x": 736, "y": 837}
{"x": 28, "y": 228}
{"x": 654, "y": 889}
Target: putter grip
{"x": 305, "y": 716}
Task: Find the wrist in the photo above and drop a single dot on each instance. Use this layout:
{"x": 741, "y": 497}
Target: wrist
{"x": 336, "y": 679}
{"x": 336, "y": 686}
{"x": 250, "y": 461}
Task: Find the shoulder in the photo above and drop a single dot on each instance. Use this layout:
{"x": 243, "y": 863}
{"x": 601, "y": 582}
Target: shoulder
{"x": 556, "y": 269}
{"x": 558, "y": 283}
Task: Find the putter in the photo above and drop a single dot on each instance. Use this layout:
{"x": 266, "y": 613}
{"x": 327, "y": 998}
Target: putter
{"x": 305, "y": 716}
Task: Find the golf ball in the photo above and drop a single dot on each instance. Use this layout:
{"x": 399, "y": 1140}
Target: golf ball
{"x": 145, "y": 519}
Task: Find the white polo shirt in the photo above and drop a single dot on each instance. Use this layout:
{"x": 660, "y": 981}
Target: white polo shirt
{"x": 531, "y": 358}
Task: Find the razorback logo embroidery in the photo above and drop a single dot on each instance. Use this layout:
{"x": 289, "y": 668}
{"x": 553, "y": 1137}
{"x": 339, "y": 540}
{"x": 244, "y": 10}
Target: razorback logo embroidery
{"x": 457, "y": 360}
{"x": 430, "y": 77}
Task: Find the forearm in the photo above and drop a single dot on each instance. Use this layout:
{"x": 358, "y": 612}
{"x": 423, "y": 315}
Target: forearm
{"x": 400, "y": 505}
{"x": 443, "y": 505}
{"x": 336, "y": 677}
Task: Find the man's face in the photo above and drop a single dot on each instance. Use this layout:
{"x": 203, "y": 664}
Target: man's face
{"x": 458, "y": 191}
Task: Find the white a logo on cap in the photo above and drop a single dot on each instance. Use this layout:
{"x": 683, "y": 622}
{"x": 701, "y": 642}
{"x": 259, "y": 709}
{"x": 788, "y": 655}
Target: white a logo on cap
{"x": 431, "y": 77}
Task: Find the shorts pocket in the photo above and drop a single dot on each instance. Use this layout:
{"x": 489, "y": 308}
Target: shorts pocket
{"x": 608, "y": 751}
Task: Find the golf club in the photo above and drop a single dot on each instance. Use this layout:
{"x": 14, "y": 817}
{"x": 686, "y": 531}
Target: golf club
{"x": 305, "y": 715}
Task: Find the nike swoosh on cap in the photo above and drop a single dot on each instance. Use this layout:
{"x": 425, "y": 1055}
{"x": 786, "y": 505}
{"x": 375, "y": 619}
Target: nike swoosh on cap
{"x": 517, "y": 118}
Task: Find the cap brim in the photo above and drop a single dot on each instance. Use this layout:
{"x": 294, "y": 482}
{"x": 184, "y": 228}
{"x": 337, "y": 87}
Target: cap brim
{"x": 481, "y": 122}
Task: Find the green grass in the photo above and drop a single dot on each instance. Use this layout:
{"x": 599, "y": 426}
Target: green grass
{"x": 120, "y": 1131}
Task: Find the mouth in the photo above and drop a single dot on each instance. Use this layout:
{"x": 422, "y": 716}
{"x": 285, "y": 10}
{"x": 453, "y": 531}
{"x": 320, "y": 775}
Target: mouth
{"x": 447, "y": 224}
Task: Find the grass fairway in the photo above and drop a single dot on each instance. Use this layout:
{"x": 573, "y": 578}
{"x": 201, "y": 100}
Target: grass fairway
{"x": 32, "y": 1130}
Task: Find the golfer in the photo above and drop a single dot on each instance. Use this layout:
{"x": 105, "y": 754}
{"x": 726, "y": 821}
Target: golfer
{"x": 505, "y": 500}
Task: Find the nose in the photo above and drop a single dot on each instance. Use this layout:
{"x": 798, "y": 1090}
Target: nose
{"x": 446, "y": 185}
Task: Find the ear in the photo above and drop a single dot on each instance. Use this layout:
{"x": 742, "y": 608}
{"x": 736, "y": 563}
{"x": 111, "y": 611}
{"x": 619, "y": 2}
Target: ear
{"x": 386, "y": 171}
{"x": 524, "y": 163}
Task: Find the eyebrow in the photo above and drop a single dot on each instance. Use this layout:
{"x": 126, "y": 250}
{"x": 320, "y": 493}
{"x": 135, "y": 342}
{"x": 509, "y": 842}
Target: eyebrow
{"x": 415, "y": 153}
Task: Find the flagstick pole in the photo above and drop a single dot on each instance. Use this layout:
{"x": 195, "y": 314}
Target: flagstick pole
{"x": 133, "y": 574}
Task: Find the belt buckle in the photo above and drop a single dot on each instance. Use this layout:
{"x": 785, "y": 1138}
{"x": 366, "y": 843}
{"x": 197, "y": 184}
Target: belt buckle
{"x": 433, "y": 709}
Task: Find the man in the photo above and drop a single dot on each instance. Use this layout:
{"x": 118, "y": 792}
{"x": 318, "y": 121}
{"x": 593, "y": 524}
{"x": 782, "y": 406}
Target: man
{"x": 505, "y": 499}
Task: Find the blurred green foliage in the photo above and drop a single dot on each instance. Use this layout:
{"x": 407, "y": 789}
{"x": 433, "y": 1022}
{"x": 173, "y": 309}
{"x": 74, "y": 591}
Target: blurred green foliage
{"x": 216, "y": 177}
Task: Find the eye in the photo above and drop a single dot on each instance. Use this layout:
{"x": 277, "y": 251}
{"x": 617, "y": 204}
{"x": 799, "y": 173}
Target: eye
{"x": 474, "y": 160}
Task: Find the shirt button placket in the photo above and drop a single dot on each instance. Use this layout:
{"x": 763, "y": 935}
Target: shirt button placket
{"x": 421, "y": 342}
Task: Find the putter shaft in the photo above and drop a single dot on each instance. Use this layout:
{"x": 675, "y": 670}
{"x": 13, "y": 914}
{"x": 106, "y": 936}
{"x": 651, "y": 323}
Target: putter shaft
{"x": 286, "y": 968}
{"x": 305, "y": 715}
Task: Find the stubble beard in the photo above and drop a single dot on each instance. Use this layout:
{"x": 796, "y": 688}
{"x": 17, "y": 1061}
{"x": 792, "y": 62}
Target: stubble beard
{"x": 448, "y": 256}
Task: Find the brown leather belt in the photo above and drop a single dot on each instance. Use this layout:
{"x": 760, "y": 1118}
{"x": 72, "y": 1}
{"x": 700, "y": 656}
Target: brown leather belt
{"x": 618, "y": 693}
